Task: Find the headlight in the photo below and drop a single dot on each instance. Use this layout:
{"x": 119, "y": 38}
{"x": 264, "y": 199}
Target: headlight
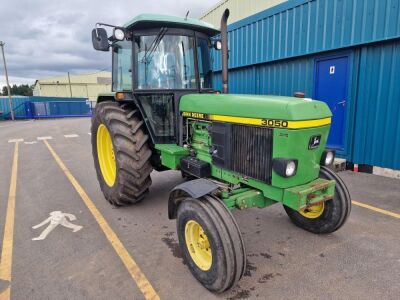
{"x": 217, "y": 45}
{"x": 290, "y": 168}
{"x": 328, "y": 156}
{"x": 285, "y": 167}
{"x": 119, "y": 34}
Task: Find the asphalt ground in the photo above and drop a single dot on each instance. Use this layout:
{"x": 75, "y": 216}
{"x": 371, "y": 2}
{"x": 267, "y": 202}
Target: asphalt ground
{"x": 132, "y": 252}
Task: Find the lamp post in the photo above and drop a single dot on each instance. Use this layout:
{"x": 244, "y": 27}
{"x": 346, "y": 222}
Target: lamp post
{"x": 10, "y": 102}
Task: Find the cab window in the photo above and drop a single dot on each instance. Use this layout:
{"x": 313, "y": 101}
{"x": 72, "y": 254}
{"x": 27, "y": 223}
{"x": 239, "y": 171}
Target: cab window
{"x": 122, "y": 66}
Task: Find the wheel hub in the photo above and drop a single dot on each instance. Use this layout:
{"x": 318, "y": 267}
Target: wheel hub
{"x": 198, "y": 245}
{"x": 314, "y": 211}
{"x": 106, "y": 156}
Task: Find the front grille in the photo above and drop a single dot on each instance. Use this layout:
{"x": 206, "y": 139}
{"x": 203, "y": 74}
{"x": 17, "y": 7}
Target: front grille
{"x": 252, "y": 151}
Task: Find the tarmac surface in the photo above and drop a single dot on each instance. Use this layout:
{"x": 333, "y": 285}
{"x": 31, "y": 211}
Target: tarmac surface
{"x": 360, "y": 261}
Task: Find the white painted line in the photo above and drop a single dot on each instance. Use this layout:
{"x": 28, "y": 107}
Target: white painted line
{"x": 42, "y": 138}
{"x": 15, "y": 140}
{"x": 16, "y": 123}
{"x": 56, "y": 218}
{"x": 30, "y": 143}
{"x": 71, "y": 135}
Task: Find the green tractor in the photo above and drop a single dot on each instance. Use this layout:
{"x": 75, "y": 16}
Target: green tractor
{"x": 236, "y": 151}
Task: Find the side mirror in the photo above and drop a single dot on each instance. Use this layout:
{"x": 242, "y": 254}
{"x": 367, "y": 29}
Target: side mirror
{"x": 100, "y": 39}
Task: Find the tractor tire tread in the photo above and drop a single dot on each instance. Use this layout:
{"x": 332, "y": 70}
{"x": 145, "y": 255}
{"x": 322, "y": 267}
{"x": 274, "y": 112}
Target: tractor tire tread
{"x": 229, "y": 263}
{"x": 131, "y": 149}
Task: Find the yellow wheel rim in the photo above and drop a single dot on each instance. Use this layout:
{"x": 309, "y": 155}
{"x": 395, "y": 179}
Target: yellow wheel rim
{"x": 314, "y": 211}
{"x": 105, "y": 153}
{"x": 198, "y": 245}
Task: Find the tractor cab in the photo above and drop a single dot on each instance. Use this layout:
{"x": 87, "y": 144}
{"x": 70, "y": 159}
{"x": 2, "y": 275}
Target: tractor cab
{"x": 155, "y": 61}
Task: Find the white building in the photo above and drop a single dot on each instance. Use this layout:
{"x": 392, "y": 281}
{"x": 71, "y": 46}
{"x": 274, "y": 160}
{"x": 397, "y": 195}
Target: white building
{"x": 82, "y": 85}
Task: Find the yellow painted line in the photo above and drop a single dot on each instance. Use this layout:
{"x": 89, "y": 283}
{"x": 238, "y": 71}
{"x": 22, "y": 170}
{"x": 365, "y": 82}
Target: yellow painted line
{"x": 142, "y": 282}
{"x": 5, "y": 295}
{"x": 376, "y": 209}
{"x": 8, "y": 239}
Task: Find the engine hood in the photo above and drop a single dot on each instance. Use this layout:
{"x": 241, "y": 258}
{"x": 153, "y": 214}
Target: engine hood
{"x": 254, "y": 106}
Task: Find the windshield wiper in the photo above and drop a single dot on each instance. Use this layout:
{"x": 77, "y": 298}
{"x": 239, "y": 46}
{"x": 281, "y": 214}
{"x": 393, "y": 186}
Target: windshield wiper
{"x": 149, "y": 52}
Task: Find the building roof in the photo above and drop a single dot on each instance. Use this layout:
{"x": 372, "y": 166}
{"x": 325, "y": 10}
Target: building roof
{"x": 144, "y": 21}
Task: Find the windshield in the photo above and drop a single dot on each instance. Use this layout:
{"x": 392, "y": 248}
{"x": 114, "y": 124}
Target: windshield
{"x": 122, "y": 64}
{"x": 168, "y": 62}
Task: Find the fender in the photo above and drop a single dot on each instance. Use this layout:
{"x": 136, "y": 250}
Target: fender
{"x": 106, "y": 97}
{"x": 195, "y": 189}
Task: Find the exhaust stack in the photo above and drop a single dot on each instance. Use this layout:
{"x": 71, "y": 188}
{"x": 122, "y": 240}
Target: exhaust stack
{"x": 224, "y": 50}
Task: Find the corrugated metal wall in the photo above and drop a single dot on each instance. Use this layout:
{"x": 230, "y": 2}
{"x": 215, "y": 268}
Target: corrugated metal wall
{"x": 301, "y": 27}
{"x": 377, "y": 120}
{"x": 278, "y": 78}
{"x": 274, "y": 52}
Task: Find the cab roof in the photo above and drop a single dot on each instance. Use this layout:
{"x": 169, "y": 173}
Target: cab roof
{"x": 145, "y": 21}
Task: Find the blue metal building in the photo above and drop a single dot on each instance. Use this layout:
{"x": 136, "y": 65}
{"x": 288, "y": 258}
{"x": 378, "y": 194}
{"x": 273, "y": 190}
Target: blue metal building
{"x": 343, "y": 52}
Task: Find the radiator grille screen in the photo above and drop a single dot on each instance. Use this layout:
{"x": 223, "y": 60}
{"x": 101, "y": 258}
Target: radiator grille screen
{"x": 252, "y": 151}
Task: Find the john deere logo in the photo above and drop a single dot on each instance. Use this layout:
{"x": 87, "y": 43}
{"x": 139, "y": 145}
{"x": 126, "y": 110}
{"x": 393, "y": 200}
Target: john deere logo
{"x": 315, "y": 140}
{"x": 195, "y": 115}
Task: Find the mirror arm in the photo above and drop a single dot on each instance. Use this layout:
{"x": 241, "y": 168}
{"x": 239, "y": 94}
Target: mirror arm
{"x": 107, "y": 25}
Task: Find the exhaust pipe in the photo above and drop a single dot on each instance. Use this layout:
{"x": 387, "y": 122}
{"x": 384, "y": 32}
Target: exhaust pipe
{"x": 224, "y": 50}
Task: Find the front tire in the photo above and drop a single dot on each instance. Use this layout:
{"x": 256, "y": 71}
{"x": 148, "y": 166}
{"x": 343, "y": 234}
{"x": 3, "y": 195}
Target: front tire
{"x": 211, "y": 243}
{"x": 328, "y": 216}
{"x": 121, "y": 153}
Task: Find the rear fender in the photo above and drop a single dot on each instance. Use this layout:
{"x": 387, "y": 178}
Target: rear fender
{"x": 106, "y": 97}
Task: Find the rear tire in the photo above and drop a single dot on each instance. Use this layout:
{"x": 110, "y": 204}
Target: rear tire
{"x": 329, "y": 217}
{"x": 130, "y": 181}
{"x": 220, "y": 236}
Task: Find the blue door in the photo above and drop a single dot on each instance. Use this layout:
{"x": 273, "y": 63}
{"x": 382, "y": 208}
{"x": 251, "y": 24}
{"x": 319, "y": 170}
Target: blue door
{"x": 331, "y": 86}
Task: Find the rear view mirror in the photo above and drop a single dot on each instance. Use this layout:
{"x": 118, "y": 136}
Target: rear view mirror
{"x": 100, "y": 39}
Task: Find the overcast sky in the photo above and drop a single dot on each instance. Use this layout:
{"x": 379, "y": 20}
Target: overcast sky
{"x": 45, "y": 38}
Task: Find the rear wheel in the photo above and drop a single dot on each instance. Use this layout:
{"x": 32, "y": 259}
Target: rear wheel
{"x": 328, "y": 216}
{"x": 211, "y": 243}
{"x": 121, "y": 153}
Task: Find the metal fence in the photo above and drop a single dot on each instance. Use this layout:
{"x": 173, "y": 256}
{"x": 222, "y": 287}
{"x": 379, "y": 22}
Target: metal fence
{"x": 58, "y": 109}
{"x": 45, "y": 107}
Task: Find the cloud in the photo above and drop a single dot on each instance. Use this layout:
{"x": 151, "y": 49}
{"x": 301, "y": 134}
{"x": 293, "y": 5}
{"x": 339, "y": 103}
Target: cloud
{"x": 46, "y": 38}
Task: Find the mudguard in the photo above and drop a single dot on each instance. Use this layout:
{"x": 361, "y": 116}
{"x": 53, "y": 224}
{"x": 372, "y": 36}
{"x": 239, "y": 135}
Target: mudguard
{"x": 195, "y": 189}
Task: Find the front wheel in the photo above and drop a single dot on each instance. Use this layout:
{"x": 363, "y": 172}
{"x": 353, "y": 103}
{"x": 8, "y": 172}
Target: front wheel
{"x": 328, "y": 216}
{"x": 211, "y": 243}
